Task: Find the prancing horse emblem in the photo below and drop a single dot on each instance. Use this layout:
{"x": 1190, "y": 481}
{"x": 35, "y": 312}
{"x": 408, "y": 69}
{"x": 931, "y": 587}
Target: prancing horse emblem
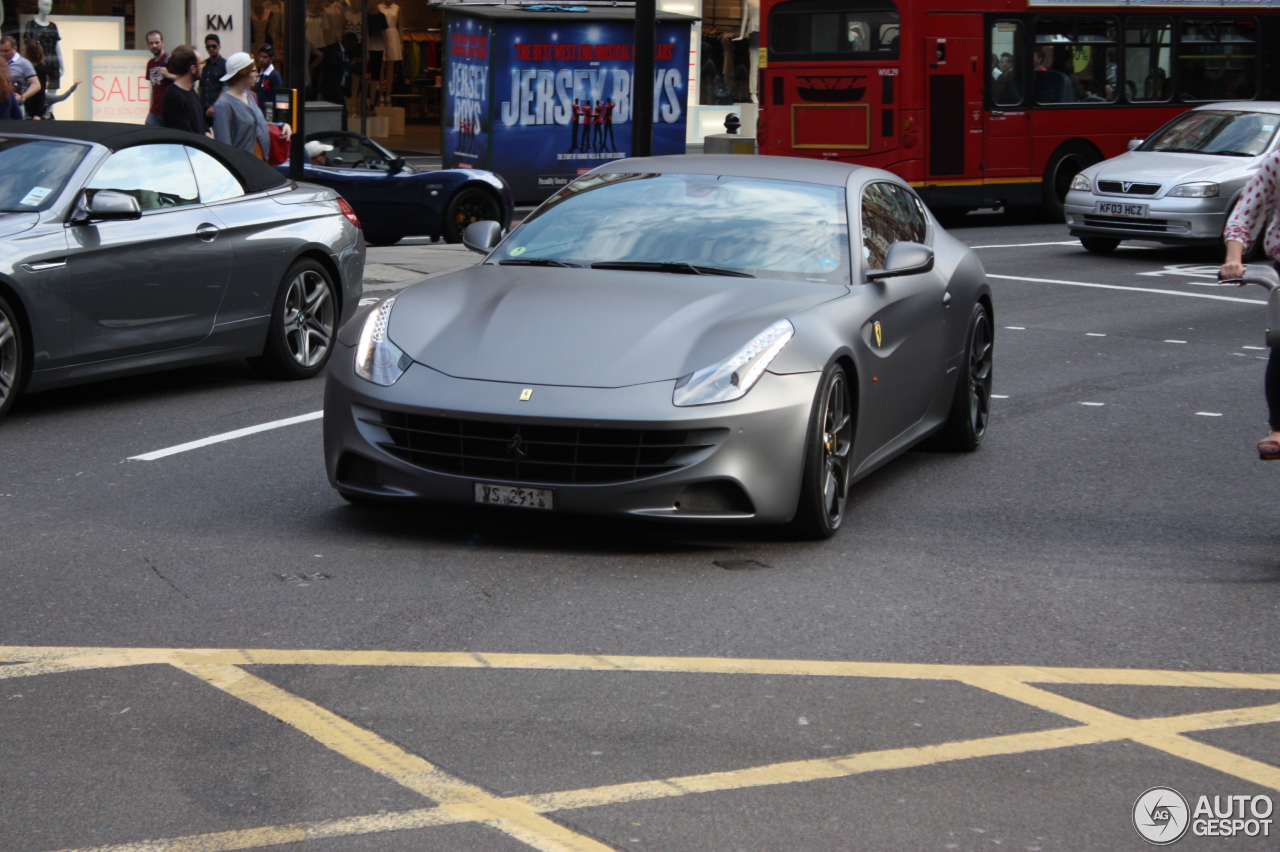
{"x": 526, "y": 394}
{"x": 515, "y": 447}
{"x": 879, "y": 333}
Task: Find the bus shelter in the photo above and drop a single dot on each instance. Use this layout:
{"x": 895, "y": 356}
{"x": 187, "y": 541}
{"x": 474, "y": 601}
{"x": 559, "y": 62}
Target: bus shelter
{"x": 543, "y": 94}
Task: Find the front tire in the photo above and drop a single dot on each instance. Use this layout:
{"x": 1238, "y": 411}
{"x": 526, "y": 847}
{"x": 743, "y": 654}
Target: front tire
{"x": 824, "y": 486}
{"x": 12, "y": 357}
{"x": 971, "y": 406}
{"x": 1099, "y": 245}
{"x": 304, "y": 324}
{"x": 469, "y": 205}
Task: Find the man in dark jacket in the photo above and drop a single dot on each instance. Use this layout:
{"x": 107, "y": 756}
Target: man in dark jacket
{"x": 181, "y": 108}
{"x": 215, "y": 67}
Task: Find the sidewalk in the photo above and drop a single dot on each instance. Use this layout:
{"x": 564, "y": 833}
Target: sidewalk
{"x": 411, "y": 260}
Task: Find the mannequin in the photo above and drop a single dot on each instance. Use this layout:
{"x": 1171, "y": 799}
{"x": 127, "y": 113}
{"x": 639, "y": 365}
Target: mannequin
{"x": 393, "y": 51}
{"x": 751, "y": 30}
{"x": 45, "y": 31}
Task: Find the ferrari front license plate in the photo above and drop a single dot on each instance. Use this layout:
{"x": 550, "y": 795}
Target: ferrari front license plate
{"x": 1118, "y": 208}
{"x": 514, "y": 495}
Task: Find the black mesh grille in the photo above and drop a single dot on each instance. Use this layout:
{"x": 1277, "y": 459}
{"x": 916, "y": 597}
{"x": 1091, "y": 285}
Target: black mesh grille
{"x": 1151, "y": 225}
{"x": 1134, "y": 188}
{"x": 521, "y": 452}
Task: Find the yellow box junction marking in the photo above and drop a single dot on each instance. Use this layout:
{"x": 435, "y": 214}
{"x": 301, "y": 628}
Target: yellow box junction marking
{"x": 524, "y": 817}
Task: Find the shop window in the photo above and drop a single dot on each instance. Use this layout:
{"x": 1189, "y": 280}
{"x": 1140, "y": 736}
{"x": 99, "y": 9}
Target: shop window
{"x": 1075, "y": 60}
{"x": 834, "y": 30}
{"x": 1007, "y": 61}
{"x": 158, "y": 176}
{"x": 1148, "y": 59}
{"x": 1217, "y": 59}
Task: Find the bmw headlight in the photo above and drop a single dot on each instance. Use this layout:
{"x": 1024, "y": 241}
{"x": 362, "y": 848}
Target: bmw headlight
{"x": 378, "y": 360}
{"x": 1200, "y": 189}
{"x": 1081, "y": 182}
{"x": 734, "y": 376}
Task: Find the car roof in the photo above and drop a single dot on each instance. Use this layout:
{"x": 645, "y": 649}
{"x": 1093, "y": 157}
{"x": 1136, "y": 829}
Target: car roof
{"x": 254, "y": 174}
{"x": 1245, "y": 106}
{"x": 799, "y": 169}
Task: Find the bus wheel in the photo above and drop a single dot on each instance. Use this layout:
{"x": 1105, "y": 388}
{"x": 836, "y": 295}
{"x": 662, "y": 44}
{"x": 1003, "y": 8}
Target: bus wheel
{"x": 1067, "y": 162}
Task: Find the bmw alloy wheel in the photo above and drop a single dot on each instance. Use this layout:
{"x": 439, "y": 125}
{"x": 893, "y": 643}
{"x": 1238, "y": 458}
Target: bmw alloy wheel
{"x": 309, "y": 321}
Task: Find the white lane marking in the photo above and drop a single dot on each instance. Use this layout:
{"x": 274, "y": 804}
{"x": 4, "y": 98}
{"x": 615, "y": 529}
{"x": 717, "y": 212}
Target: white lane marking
{"x": 1189, "y": 269}
{"x": 1151, "y": 290}
{"x": 1258, "y": 348}
{"x": 998, "y": 396}
{"x": 1093, "y": 334}
{"x": 1020, "y": 245}
{"x": 1175, "y": 341}
{"x": 1240, "y": 354}
{"x": 227, "y": 436}
{"x": 1093, "y": 403}
{"x": 1016, "y": 327}
{"x": 1207, "y": 414}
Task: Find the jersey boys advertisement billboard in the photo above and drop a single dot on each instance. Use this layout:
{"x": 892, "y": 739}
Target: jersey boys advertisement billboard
{"x": 556, "y": 97}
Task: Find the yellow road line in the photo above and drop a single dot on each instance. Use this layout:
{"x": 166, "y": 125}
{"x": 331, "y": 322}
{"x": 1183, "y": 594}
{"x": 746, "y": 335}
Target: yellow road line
{"x": 686, "y": 665}
{"x": 409, "y": 770}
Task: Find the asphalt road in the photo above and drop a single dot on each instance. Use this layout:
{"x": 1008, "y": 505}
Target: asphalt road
{"x": 1001, "y": 650}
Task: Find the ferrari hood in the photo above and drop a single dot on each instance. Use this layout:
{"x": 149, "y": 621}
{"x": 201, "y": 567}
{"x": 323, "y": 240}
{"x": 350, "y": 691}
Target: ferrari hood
{"x": 587, "y": 328}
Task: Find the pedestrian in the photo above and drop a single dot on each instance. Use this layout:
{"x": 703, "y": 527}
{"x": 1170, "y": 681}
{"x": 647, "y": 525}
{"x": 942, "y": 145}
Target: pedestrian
{"x": 268, "y": 77}
{"x": 159, "y": 76}
{"x": 21, "y": 73}
{"x": 10, "y": 106}
{"x": 34, "y": 105}
{"x": 237, "y": 118}
{"x": 211, "y": 75}
{"x": 1259, "y": 206}
{"x": 182, "y": 109}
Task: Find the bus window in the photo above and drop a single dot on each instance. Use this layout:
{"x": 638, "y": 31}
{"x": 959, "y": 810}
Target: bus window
{"x": 834, "y": 30}
{"x": 1148, "y": 59}
{"x": 1007, "y": 52}
{"x": 1075, "y": 61}
{"x": 1217, "y": 59}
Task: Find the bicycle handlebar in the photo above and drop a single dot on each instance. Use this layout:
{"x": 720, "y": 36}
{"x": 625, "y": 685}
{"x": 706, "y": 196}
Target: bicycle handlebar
{"x": 1256, "y": 273}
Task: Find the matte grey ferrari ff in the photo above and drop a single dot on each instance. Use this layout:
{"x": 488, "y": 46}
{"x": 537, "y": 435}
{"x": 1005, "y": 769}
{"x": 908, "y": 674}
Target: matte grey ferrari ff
{"x": 704, "y": 338}
{"x": 125, "y": 249}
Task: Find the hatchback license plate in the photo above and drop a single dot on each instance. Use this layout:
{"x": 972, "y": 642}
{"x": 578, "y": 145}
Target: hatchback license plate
{"x": 514, "y": 495}
{"x": 1117, "y": 208}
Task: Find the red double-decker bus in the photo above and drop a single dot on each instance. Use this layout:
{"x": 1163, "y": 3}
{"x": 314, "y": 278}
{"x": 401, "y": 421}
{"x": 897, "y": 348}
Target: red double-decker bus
{"x": 980, "y": 103}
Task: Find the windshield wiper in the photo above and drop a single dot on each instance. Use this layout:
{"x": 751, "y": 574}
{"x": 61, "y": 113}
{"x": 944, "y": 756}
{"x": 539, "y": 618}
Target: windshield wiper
{"x": 1232, "y": 153}
{"x": 536, "y": 261}
{"x": 678, "y": 268}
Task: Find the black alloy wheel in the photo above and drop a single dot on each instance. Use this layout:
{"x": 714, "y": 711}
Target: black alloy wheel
{"x": 304, "y": 324}
{"x": 971, "y": 406}
{"x": 824, "y": 488}
{"x": 11, "y": 356}
{"x": 469, "y": 205}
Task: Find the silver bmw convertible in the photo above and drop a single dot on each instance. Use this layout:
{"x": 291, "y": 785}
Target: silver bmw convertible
{"x": 729, "y": 339}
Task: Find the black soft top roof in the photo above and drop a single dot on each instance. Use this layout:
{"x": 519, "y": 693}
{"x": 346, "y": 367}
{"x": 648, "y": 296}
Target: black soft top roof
{"x": 254, "y": 174}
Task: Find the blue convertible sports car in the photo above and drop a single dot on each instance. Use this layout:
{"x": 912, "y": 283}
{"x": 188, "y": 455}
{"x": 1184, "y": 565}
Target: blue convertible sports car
{"x": 395, "y": 200}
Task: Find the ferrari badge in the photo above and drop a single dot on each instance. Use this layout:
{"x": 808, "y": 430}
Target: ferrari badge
{"x": 879, "y": 334}
{"x": 528, "y": 392}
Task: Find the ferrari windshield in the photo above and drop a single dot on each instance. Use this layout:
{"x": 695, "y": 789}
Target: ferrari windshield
{"x": 34, "y": 171}
{"x": 1202, "y": 131}
{"x": 693, "y": 224}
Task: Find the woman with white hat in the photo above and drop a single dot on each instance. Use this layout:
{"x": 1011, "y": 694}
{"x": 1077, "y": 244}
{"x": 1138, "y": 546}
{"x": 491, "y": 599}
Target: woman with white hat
{"x": 237, "y": 119}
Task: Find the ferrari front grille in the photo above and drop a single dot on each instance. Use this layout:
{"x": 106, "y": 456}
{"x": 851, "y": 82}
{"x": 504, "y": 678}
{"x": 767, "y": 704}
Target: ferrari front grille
{"x": 554, "y": 455}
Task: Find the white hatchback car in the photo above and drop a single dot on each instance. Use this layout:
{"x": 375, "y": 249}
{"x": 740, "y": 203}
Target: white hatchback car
{"x": 1177, "y": 186}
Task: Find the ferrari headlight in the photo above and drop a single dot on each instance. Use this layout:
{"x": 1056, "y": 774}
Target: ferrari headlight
{"x": 734, "y": 376}
{"x": 378, "y": 360}
{"x": 1081, "y": 182}
{"x": 1200, "y": 189}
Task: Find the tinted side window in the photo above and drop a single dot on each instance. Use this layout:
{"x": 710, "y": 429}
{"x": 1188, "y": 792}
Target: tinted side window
{"x": 1076, "y": 60}
{"x": 890, "y": 214}
{"x": 215, "y": 180}
{"x": 159, "y": 176}
{"x": 1218, "y": 59}
{"x": 1148, "y": 59}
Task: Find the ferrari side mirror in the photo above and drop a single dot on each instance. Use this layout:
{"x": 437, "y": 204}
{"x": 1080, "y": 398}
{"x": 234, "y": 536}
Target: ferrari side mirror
{"x": 904, "y": 259}
{"x": 482, "y": 236}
